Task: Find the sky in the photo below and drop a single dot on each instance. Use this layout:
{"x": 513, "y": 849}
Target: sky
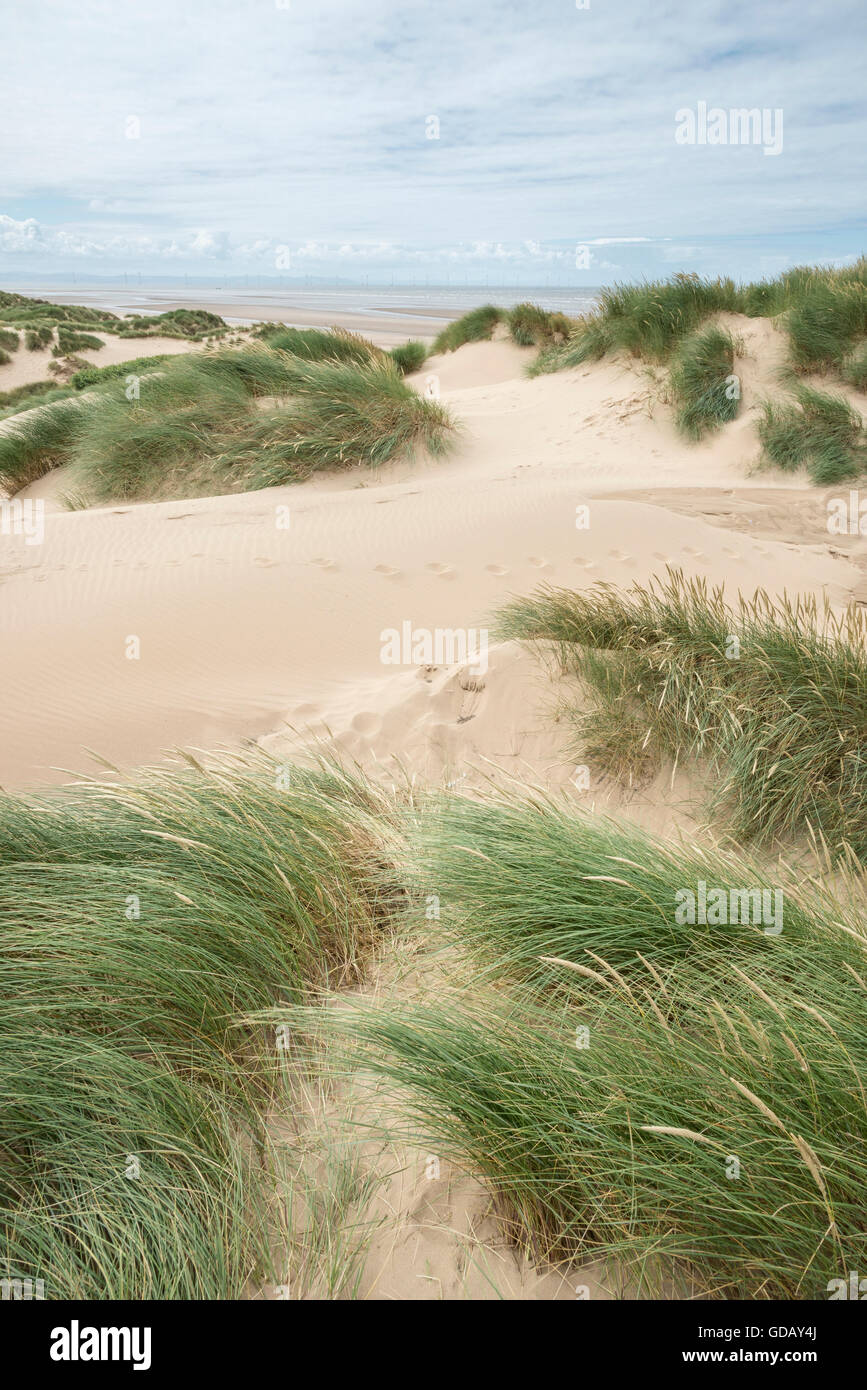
{"x": 512, "y": 141}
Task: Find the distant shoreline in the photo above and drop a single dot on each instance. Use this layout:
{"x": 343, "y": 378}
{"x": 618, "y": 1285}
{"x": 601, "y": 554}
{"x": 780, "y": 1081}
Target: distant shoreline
{"x": 387, "y": 314}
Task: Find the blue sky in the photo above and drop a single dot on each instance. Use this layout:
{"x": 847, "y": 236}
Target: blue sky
{"x": 292, "y": 138}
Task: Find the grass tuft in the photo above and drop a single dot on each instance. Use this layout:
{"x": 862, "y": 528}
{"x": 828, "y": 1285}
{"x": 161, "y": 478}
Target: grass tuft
{"x": 409, "y": 357}
{"x": 141, "y": 924}
{"x": 772, "y": 696}
{"x": 818, "y": 431}
{"x": 475, "y": 327}
{"x": 702, "y": 381}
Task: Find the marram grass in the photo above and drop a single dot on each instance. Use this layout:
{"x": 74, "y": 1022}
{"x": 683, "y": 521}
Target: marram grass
{"x": 597, "y": 885}
{"x": 819, "y": 431}
{"x": 686, "y": 1103}
{"x": 771, "y": 696}
{"x": 703, "y": 383}
{"x": 193, "y": 427}
{"x": 706, "y": 1123}
{"x": 141, "y": 924}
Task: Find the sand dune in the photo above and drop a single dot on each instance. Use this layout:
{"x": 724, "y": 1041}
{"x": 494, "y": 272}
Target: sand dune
{"x": 137, "y": 628}
{"x": 27, "y": 366}
{"x": 245, "y": 627}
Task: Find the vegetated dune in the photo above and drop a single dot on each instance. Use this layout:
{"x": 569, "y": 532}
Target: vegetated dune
{"x": 135, "y": 628}
{"x": 27, "y": 366}
{"x": 269, "y": 607}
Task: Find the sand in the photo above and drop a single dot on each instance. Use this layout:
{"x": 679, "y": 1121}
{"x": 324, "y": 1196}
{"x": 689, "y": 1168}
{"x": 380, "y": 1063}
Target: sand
{"x": 27, "y": 366}
{"x": 248, "y": 629}
{"x": 245, "y": 626}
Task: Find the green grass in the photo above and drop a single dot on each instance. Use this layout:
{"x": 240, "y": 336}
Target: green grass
{"x": 141, "y": 924}
{"x": 590, "y": 340}
{"x": 475, "y": 327}
{"x": 9, "y": 340}
{"x": 409, "y": 357}
{"x": 31, "y": 394}
{"x": 770, "y": 696}
{"x": 824, "y": 325}
{"x": 38, "y": 336}
{"x": 341, "y": 415}
{"x": 818, "y": 431}
{"x": 622, "y": 1149}
{"x": 40, "y": 439}
{"x": 855, "y": 369}
{"x": 324, "y": 345}
{"x": 649, "y": 320}
{"x": 823, "y": 310}
{"x": 194, "y": 427}
{"x": 703, "y": 386}
{"x": 522, "y": 882}
{"x": 163, "y": 444}
{"x": 190, "y": 324}
{"x": 23, "y": 312}
{"x": 4, "y": 357}
{"x": 136, "y": 366}
{"x": 69, "y": 341}
{"x": 531, "y": 326}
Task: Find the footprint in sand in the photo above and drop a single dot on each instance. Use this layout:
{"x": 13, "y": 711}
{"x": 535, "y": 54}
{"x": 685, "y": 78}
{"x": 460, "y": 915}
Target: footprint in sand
{"x": 496, "y": 569}
{"x": 367, "y": 723}
{"x": 732, "y": 554}
{"x": 306, "y": 711}
{"x": 264, "y": 561}
{"x": 440, "y": 570}
{"x": 388, "y": 570}
{"x": 690, "y": 550}
{"x": 619, "y": 555}
{"x": 665, "y": 559}
{"x": 538, "y": 562}
{"x": 584, "y": 563}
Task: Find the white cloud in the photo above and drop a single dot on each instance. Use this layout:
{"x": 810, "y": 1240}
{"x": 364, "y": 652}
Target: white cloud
{"x": 306, "y": 127}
